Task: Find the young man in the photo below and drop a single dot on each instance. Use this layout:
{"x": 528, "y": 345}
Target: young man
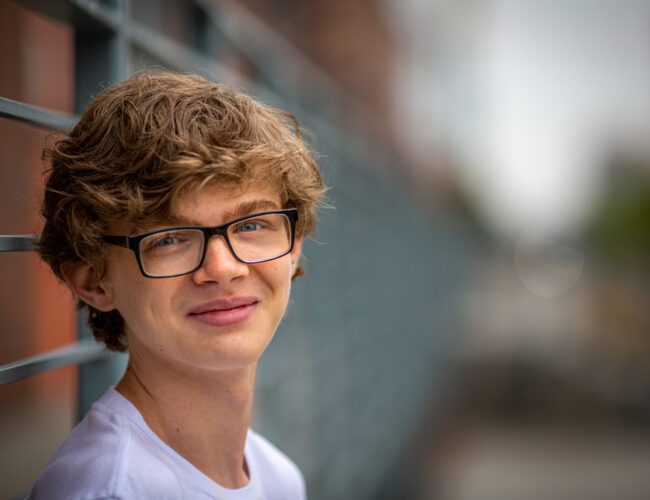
{"x": 175, "y": 211}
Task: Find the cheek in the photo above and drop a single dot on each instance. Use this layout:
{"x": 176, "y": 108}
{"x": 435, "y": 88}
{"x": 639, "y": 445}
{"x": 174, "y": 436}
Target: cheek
{"x": 278, "y": 275}
{"x": 274, "y": 282}
{"x": 279, "y": 281}
{"x": 137, "y": 298}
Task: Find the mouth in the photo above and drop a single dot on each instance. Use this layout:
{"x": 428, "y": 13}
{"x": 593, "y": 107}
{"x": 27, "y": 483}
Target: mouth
{"x": 225, "y": 312}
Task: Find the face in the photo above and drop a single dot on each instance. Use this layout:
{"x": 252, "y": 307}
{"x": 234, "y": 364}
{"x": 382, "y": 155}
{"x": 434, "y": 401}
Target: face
{"x": 223, "y": 315}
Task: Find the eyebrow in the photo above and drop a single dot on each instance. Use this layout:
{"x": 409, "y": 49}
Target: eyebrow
{"x": 241, "y": 210}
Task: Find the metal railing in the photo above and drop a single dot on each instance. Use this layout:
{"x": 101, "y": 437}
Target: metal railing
{"x": 84, "y": 351}
{"x": 35, "y": 115}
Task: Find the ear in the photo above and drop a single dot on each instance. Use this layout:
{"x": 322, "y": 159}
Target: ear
{"x": 295, "y": 255}
{"x": 83, "y": 279}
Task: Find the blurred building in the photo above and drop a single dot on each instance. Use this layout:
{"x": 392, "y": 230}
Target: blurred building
{"x": 542, "y": 110}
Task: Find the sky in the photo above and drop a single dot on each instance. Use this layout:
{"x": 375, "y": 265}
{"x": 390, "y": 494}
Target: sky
{"x": 529, "y": 98}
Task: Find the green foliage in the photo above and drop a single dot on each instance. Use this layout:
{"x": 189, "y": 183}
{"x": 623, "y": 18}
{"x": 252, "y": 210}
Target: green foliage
{"x": 621, "y": 227}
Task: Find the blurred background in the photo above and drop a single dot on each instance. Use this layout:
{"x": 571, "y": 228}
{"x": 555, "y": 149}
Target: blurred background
{"x": 473, "y": 322}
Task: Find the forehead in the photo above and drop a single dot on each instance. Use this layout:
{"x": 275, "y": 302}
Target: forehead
{"x": 208, "y": 203}
{"x": 205, "y": 205}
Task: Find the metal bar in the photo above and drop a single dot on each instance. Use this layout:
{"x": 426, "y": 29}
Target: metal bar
{"x": 87, "y": 15}
{"x": 272, "y": 54}
{"x": 36, "y": 115}
{"x": 83, "y": 351}
{"x": 61, "y": 10}
{"x": 173, "y": 54}
{"x": 101, "y": 58}
{"x": 111, "y": 18}
{"x": 162, "y": 47}
{"x": 18, "y": 242}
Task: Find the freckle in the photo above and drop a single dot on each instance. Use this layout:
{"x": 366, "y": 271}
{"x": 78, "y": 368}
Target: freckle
{"x": 177, "y": 429}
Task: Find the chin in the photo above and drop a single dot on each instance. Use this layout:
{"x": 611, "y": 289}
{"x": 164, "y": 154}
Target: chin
{"x": 231, "y": 357}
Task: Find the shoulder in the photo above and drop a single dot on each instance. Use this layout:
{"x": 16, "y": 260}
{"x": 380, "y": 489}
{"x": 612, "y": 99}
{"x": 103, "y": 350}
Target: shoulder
{"x": 89, "y": 462}
{"x": 279, "y": 475}
{"x": 106, "y": 457}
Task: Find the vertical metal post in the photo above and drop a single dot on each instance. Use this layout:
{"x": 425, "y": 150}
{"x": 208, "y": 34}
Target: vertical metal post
{"x": 101, "y": 59}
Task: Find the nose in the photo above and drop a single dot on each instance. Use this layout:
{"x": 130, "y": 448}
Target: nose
{"x": 219, "y": 264}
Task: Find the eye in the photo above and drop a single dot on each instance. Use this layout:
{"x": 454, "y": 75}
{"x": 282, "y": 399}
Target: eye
{"x": 163, "y": 241}
{"x": 248, "y": 226}
{"x": 167, "y": 240}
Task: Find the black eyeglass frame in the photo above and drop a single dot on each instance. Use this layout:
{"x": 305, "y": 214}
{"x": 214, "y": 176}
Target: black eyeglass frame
{"x": 133, "y": 242}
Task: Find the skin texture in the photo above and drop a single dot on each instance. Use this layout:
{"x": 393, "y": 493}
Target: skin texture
{"x": 193, "y": 381}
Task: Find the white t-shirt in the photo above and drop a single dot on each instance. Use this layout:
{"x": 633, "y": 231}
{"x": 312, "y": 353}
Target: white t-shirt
{"x": 113, "y": 454}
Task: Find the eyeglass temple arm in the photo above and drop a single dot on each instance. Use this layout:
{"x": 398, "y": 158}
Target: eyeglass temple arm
{"x": 121, "y": 241}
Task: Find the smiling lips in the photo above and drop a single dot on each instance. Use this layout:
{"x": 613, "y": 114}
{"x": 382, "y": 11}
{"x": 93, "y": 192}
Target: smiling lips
{"x": 225, "y": 312}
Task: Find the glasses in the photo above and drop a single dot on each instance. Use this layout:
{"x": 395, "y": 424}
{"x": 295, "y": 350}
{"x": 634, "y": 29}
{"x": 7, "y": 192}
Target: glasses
{"x": 181, "y": 250}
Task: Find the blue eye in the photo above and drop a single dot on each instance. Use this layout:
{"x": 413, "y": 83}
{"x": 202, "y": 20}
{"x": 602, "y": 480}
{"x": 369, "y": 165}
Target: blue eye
{"x": 164, "y": 241}
{"x": 167, "y": 240}
{"x": 248, "y": 226}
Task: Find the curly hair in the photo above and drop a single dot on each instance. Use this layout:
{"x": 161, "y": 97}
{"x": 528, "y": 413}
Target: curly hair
{"x": 142, "y": 143}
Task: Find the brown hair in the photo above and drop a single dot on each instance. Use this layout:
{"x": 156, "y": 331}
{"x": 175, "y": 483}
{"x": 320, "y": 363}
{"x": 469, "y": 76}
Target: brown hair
{"x": 143, "y": 142}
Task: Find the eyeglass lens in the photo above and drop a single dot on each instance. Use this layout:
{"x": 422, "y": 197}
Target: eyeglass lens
{"x": 177, "y": 251}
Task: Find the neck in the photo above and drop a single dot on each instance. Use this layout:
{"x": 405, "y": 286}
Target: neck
{"x": 203, "y": 416}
